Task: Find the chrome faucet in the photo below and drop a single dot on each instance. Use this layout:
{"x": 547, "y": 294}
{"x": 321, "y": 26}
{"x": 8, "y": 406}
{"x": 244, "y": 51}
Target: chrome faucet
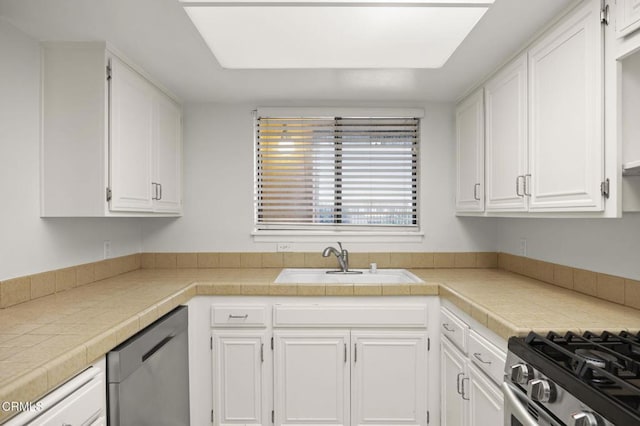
{"x": 342, "y": 255}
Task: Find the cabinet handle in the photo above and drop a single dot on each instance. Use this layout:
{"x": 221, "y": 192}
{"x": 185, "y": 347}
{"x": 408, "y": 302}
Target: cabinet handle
{"x": 154, "y": 187}
{"x": 447, "y": 328}
{"x": 462, "y": 393}
{"x": 345, "y": 352}
{"x": 477, "y": 356}
{"x": 527, "y": 178}
{"x": 518, "y": 193}
{"x": 355, "y": 352}
{"x": 245, "y": 316}
{"x": 475, "y": 192}
{"x": 458, "y": 383}
{"x": 160, "y": 196}
{"x": 261, "y": 352}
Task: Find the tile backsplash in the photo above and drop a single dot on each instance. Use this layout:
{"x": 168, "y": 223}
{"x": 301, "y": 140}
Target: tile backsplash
{"x": 607, "y": 287}
{"x": 22, "y": 289}
{"x": 315, "y": 260}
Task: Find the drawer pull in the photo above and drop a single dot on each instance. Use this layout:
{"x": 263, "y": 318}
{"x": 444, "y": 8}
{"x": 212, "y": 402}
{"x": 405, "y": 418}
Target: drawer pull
{"x": 245, "y": 316}
{"x": 477, "y": 356}
{"x": 458, "y": 383}
{"x": 448, "y": 328}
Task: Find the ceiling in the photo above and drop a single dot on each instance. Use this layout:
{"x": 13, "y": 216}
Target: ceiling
{"x": 159, "y": 36}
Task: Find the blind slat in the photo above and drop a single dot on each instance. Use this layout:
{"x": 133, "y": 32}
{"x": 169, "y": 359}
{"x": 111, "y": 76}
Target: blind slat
{"x": 336, "y": 171}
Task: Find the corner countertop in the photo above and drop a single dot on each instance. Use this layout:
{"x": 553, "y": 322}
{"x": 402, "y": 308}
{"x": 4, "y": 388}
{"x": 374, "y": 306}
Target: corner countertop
{"x": 46, "y": 341}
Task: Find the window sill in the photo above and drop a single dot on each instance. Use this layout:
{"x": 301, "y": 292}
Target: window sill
{"x": 274, "y": 236}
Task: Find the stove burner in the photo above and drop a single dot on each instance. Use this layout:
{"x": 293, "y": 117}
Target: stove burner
{"x": 595, "y": 357}
{"x": 601, "y": 370}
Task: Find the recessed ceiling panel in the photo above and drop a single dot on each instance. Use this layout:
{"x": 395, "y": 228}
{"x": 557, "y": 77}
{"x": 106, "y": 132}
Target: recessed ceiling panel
{"x": 326, "y": 36}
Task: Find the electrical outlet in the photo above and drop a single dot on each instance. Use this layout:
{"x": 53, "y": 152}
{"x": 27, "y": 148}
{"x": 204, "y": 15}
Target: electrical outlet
{"x": 523, "y": 246}
{"x": 284, "y": 247}
{"x": 107, "y": 249}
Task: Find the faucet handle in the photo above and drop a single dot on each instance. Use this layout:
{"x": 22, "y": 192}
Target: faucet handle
{"x": 340, "y": 245}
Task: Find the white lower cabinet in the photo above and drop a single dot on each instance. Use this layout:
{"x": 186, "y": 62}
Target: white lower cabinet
{"x": 453, "y": 410}
{"x": 388, "y": 378}
{"x": 356, "y": 363}
{"x": 485, "y": 400}
{"x": 311, "y": 377}
{"x": 81, "y": 400}
{"x": 241, "y": 362}
{"x": 356, "y": 377}
{"x": 471, "y": 371}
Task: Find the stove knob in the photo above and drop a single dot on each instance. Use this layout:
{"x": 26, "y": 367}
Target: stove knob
{"x": 542, "y": 390}
{"x": 584, "y": 418}
{"x": 521, "y": 373}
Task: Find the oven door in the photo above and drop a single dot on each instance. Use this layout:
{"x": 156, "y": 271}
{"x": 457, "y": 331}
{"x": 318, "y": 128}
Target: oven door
{"x": 516, "y": 412}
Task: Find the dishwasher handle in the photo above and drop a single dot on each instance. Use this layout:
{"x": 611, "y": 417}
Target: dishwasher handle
{"x": 157, "y": 347}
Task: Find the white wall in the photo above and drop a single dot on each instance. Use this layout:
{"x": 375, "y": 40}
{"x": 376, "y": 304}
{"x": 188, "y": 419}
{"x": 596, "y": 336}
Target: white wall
{"x": 218, "y": 190}
{"x": 609, "y": 246}
{"x": 29, "y": 244}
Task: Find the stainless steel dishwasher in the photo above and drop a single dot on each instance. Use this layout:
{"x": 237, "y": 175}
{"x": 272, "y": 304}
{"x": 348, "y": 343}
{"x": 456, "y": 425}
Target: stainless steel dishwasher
{"x": 148, "y": 375}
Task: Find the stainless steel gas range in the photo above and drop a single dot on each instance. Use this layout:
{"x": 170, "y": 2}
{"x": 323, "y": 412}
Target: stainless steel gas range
{"x": 572, "y": 379}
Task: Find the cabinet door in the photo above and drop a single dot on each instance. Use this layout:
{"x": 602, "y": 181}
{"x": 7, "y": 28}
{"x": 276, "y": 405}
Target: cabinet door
{"x": 389, "y": 378}
{"x": 628, "y": 16}
{"x": 453, "y": 409}
{"x": 566, "y": 145}
{"x": 311, "y": 377}
{"x": 240, "y": 380}
{"x": 470, "y": 154}
{"x": 485, "y": 399}
{"x": 167, "y": 154}
{"x": 506, "y": 138}
{"x": 131, "y": 139}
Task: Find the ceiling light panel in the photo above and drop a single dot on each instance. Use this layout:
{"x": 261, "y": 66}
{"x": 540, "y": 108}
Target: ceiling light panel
{"x": 282, "y": 36}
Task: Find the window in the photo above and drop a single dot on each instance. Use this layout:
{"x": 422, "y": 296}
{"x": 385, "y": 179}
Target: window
{"x": 330, "y": 173}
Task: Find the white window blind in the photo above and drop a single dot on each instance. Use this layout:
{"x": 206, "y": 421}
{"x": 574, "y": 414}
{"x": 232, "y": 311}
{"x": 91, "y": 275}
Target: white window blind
{"x": 336, "y": 172}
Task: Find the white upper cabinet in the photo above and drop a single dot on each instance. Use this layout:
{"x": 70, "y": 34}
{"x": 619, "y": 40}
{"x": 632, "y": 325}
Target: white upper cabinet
{"x": 566, "y": 140}
{"x": 627, "y": 16}
{"x": 542, "y": 129}
{"x": 506, "y": 138}
{"x": 111, "y": 139}
{"x": 167, "y": 155}
{"x": 131, "y": 123}
{"x": 470, "y": 154}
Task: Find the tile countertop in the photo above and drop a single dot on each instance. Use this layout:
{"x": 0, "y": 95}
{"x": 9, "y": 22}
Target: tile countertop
{"x": 46, "y": 341}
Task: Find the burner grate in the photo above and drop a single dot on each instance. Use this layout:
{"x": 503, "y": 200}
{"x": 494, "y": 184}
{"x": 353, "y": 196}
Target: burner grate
{"x": 609, "y": 363}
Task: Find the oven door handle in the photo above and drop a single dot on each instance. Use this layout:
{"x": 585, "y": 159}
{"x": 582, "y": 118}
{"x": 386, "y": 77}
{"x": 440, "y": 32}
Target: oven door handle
{"x": 516, "y": 408}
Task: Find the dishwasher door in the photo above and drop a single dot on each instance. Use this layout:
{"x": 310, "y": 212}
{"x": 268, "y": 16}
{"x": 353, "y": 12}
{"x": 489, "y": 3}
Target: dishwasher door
{"x": 148, "y": 375}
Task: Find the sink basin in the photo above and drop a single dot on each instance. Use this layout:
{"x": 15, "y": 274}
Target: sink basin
{"x": 320, "y": 276}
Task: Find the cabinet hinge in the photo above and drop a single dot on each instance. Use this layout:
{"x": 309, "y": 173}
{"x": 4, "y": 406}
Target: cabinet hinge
{"x": 108, "y": 72}
{"x": 604, "y": 13}
{"x": 271, "y": 343}
{"x": 273, "y": 416}
{"x": 108, "y": 194}
{"x": 604, "y": 188}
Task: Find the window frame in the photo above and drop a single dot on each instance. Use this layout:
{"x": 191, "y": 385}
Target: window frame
{"x": 382, "y": 233}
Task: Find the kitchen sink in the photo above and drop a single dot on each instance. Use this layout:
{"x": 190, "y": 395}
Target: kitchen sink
{"x": 366, "y": 276}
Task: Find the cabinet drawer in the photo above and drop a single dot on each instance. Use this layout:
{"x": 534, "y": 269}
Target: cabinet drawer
{"x": 350, "y": 316}
{"x": 239, "y": 316}
{"x": 82, "y": 407}
{"x": 454, "y": 329}
{"x": 487, "y": 356}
